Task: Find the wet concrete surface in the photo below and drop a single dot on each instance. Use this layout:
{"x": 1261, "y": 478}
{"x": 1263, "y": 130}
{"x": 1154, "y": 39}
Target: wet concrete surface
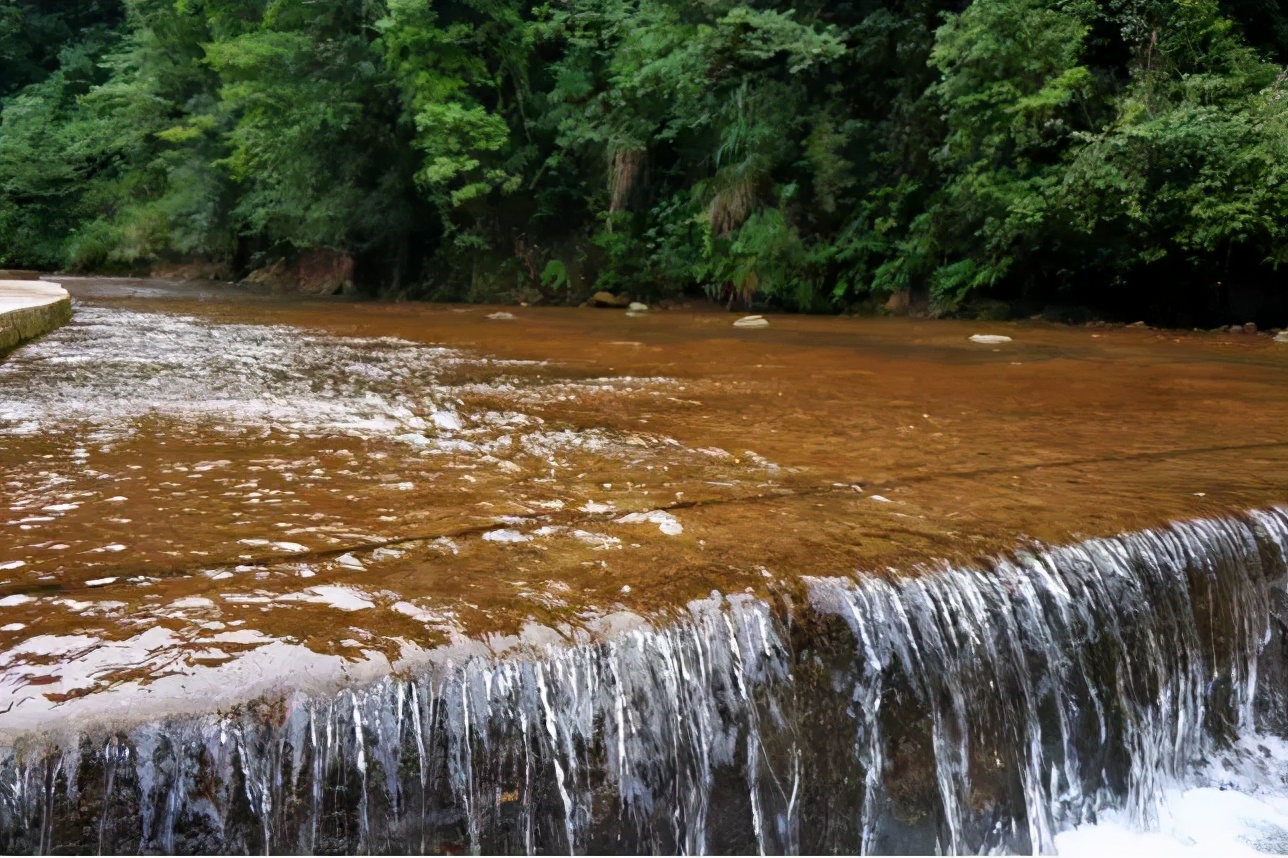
{"x": 28, "y": 309}
{"x": 195, "y": 476}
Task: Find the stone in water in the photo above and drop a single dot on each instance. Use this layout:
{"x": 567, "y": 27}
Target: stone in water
{"x": 637, "y": 307}
{"x": 608, "y": 299}
{"x": 989, "y": 339}
{"x": 752, "y": 322}
{"x": 501, "y": 315}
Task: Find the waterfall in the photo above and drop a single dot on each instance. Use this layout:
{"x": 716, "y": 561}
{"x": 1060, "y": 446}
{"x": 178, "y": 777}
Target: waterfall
{"x": 949, "y": 710}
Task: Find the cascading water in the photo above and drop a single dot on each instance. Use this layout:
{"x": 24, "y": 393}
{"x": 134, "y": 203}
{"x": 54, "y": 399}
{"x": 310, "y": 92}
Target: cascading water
{"x": 1059, "y": 683}
{"x": 953, "y": 710}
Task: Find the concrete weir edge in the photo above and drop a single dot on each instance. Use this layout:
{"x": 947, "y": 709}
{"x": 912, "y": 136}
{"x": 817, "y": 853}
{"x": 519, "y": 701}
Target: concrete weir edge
{"x": 30, "y": 308}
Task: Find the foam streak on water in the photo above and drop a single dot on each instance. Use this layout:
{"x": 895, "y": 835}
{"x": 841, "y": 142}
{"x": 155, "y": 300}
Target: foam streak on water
{"x": 112, "y": 366}
{"x": 1062, "y": 695}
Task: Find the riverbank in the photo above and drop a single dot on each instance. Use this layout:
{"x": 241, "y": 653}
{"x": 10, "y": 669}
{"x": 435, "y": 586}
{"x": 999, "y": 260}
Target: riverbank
{"x": 181, "y": 283}
{"x": 30, "y": 308}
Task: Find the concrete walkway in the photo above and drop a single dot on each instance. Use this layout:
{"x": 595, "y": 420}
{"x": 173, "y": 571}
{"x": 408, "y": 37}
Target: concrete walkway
{"x": 29, "y": 308}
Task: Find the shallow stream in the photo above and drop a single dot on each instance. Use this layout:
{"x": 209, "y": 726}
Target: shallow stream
{"x": 325, "y": 576}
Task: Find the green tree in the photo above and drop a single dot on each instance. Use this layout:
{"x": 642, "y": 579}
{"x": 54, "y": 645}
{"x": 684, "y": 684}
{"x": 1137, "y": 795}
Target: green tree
{"x": 811, "y": 154}
{"x": 1188, "y": 182}
{"x": 1012, "y": 93}
{"x": 308, "y": 107}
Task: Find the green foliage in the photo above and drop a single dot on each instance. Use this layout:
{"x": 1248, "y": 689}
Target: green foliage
{"x": 809, "y": 154}
{"x": 763, "y": 254}
{"x": 1009, "y": 87}
{"x": 35, "y": 34}
{"x": 443, "y": 74}
{"x": 555, "y": 275}
{"x": 300, "y": 96}
{"x": 1192, "y": 167}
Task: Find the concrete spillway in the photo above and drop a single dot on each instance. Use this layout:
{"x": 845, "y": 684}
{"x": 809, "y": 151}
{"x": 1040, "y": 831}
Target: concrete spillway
{"x": 29, "y": 308}
{"x": 307, "y": 576}
{"x": 1052, "y": 702}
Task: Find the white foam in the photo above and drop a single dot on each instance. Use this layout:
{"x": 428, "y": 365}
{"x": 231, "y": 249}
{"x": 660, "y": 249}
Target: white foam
{"x": 506, "y": 535}
{"x": 407, "y": 609}
{"x": 192, "y": 602}
{"x": 447, "y": 420}
{"x": 1199, "y": 821}
{"x": 665, "y": 521}
{"x": 348, "y": 561}
{"x": 340, "y": 598}
{"x": 600, "y": 541}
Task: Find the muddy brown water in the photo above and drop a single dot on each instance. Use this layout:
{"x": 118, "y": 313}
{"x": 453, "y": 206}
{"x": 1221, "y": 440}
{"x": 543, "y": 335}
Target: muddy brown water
{"x": 191, "y": 472}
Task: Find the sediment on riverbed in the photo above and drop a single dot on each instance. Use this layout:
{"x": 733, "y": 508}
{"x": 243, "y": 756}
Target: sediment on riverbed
{"x": 29, "y": 308}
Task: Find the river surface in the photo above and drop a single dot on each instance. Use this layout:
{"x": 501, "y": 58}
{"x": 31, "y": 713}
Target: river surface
{"x": 211, "y": 496}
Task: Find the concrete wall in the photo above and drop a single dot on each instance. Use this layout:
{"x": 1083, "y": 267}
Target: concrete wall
{"x": 29, "y": 308}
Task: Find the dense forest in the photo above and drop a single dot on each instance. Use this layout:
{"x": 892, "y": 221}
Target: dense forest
{"x": 1125, "y": 155}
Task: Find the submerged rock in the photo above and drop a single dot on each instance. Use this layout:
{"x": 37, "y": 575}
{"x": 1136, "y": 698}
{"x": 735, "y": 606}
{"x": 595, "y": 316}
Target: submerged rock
{"x": 989, "y": 339}
{"x": 608, "y": 299}
{"x": 1281, "y": 337}
{"x": 637, "y": 307}
{"x": 500, "y": 316}
{"x": 752, "y": 322}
